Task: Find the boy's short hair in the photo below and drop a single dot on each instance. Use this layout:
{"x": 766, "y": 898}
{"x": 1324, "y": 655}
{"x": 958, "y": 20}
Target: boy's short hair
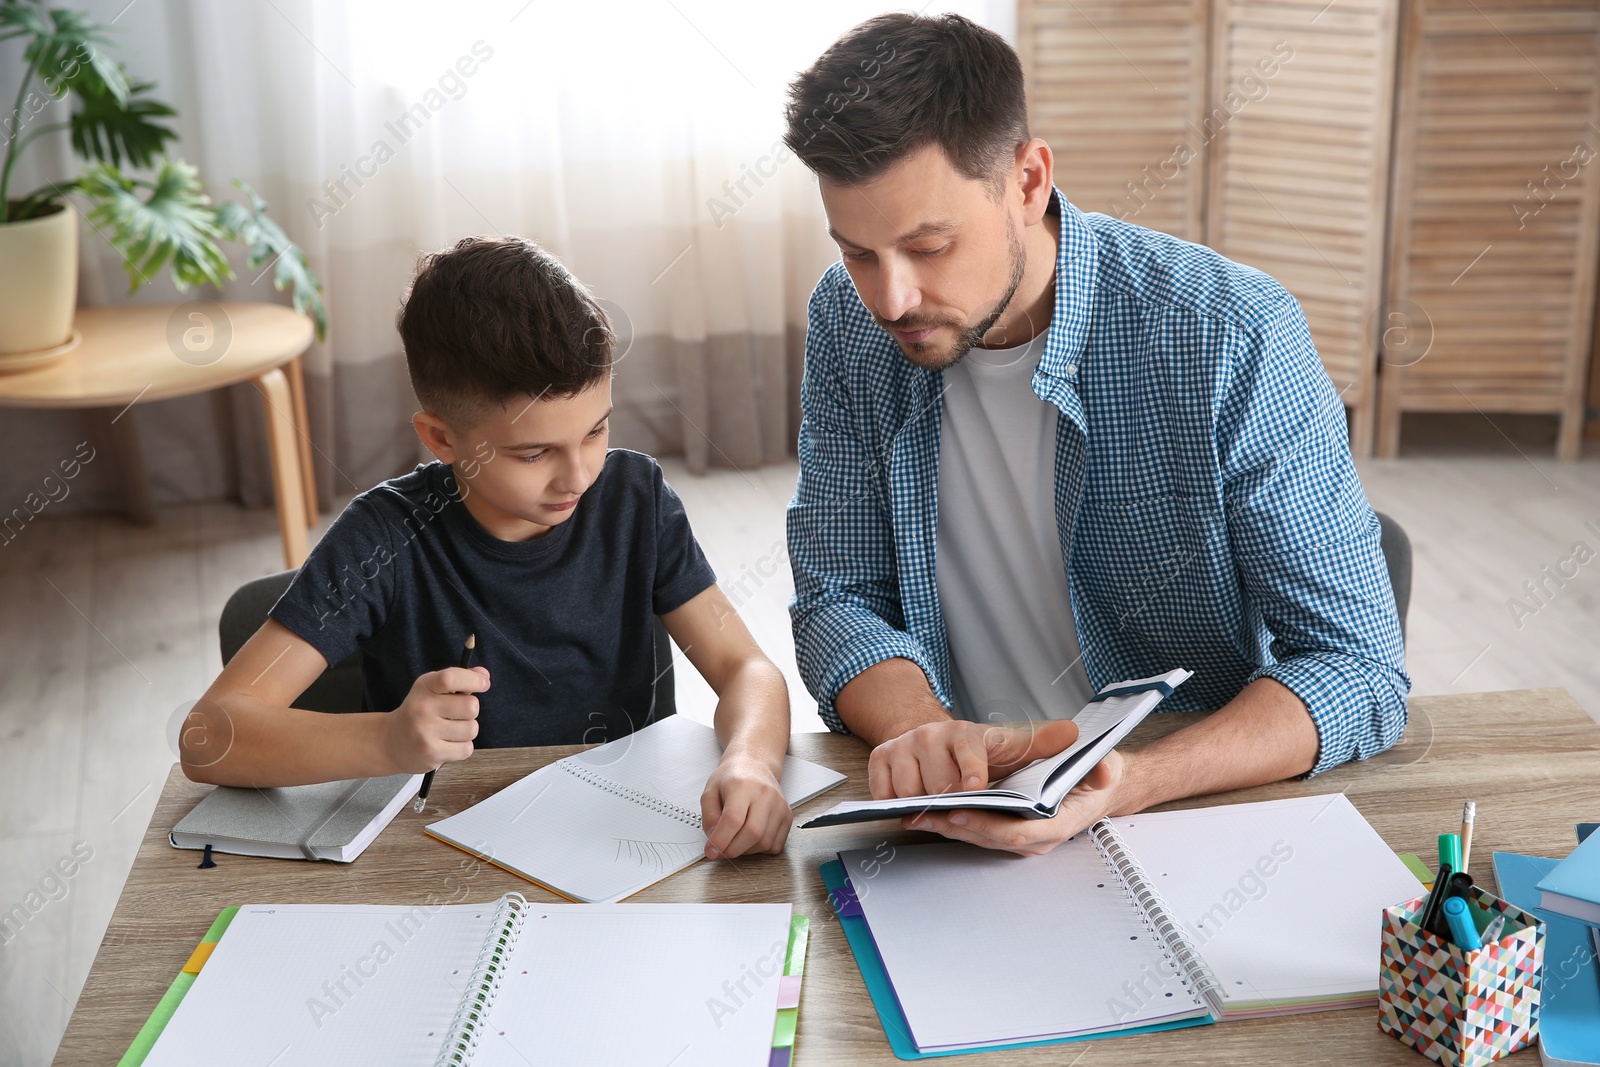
{"x": 493, "y": 320}
{"x": 899, "y": 82}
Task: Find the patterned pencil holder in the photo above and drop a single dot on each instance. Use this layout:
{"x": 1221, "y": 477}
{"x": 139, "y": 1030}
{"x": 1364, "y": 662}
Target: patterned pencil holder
{"x": 1461, "y": 1008}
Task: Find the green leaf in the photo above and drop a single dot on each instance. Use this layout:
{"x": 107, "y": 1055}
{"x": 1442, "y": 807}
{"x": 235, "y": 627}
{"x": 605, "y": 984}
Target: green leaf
{"x": 267, "y": 242}
{"x": 111, "y": 130}
{"x": 174, "y": 224}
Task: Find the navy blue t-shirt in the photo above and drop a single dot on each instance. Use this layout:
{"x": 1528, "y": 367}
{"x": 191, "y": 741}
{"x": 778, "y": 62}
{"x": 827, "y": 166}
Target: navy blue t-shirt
{"x": 565, "y": 623}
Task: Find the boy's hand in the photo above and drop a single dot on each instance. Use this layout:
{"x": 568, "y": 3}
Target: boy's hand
{"x": 743, "y": 809}
{"x": 437, "y": 721}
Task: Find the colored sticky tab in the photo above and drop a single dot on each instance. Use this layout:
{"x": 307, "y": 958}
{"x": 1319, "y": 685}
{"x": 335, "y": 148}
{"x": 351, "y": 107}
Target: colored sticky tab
{"x": 783, "y": 1032}
{"x": 799, "y": 934}
{"x": 197, "y": 958}
{"x": 1415, "y": 865}
{"x": 780, "y": 1057}
{"x": 846, "y": 903}
{"x": 789, "y": 991}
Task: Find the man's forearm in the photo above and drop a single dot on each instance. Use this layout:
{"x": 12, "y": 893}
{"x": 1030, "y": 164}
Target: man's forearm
{"x": 887, "y": 699}
{"x": 1262, "y": 735}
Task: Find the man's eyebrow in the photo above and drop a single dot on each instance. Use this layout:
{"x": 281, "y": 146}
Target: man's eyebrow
{"x": 529, "y": 446}
{"x": 941, "y": 228}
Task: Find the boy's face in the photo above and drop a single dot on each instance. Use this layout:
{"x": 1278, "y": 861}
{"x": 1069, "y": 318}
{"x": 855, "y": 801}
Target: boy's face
{"x": 521, "y": 468}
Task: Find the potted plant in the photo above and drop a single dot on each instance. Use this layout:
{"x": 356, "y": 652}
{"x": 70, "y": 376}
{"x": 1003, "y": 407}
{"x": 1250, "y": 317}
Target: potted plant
{"x": 158, "y": 216}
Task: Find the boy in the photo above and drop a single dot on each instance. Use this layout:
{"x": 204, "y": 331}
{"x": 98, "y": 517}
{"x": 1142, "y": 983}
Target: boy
{"x": 555, "y": 552}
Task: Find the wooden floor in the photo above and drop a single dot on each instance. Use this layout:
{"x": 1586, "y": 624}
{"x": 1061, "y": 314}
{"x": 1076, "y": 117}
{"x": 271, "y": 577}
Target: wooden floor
{"x": 106, "y": 629}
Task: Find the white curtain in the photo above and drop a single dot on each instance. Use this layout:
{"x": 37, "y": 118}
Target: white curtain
{"x": 639, "y": 140}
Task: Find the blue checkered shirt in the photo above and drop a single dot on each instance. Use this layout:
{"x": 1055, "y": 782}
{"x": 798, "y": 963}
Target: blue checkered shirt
{"x": 1203, "y": 483}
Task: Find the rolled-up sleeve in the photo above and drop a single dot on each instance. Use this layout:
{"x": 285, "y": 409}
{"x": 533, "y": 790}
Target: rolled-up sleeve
{"x": 1307, "y": 542}
{"x": 846, "y": 609}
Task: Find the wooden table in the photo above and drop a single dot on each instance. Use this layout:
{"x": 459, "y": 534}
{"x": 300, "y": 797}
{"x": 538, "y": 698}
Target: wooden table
{"x": 134, "y": 353}
{"x": 1530, "y": 758}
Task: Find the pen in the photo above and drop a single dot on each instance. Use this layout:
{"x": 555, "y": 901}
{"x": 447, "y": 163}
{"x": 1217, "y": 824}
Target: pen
{"x": 1469, "y": 811}
{"x": 1496, "y": 927}
{"x": 427, "y": 779}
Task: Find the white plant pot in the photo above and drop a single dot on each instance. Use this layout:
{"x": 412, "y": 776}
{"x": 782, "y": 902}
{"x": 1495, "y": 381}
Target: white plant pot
{"x": 38, "y": 287}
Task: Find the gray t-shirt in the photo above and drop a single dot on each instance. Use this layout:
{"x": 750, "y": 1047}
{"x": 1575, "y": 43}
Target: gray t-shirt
{"x": 1002, "y": 582}
{"x": 565, "y": 623}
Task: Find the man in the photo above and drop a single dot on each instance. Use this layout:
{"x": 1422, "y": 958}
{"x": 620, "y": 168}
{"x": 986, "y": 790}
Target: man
{"x": 1043, "y": 451}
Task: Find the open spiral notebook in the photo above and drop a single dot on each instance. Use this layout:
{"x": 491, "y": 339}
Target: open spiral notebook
{"x": 501, "y": 984}
{"x": 1145, "y": 921}
{"x": 603, "y": 824}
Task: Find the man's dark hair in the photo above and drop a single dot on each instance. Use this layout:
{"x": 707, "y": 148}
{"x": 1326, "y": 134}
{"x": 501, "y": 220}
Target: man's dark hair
{"x": 900, "y": 82}
{"x": 493, "y": 320}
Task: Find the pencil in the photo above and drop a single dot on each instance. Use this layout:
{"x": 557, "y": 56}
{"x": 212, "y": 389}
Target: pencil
{"x": 427, "y": 779}
{"x": 1469, "y": 811}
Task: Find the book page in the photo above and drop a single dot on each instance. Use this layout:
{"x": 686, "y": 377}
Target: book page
{"x": 327, "y": 986}
{"x": 986, "y": 947}
{"x": 1283, "y": 899}
{"x": 640, "y": 984}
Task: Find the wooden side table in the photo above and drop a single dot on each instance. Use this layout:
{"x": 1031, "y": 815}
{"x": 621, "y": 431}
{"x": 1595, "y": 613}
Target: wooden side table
{"x": 134, "y": 353}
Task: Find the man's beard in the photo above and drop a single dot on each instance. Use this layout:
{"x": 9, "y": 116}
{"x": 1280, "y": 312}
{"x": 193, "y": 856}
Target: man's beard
{"x": 924, "y": 355}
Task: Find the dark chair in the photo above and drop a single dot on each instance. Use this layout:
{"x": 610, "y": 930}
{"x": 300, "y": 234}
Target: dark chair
{"x": 339, "y": 687}
{"x": 1397, "y": 557}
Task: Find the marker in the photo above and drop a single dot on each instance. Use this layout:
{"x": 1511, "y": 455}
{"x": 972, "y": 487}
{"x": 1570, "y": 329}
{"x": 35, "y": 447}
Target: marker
{"x": 427, "y": 779}
{"x": 1469, "y": 812}
{"x": 1496, "y": 927}
{"x": 1430, "y": 907}
{"x": 1450, "y": 852}
{"x": 1461, "y": 928}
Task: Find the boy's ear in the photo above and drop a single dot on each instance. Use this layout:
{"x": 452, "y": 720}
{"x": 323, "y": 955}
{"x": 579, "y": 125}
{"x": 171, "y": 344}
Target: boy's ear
{"x": 436, "y": 435}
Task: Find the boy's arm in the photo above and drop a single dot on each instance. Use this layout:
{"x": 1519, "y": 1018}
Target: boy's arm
{"x": 243, "y": 732}
{"x": 743, "y": 805}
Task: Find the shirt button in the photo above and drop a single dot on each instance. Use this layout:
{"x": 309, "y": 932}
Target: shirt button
{"x": 1072, "y": 368}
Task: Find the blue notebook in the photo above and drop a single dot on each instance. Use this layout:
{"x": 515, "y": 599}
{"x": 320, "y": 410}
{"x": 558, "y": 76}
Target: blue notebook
{"x": 882, "y": 992}
{"x": 1569, "y": 1008}
{"x": 1572, "y": 888}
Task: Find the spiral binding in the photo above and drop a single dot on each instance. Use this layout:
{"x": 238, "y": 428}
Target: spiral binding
{"x": 671, "y": 811}
{"x": 1193, "y": 971}
{"x": 483, "y": 982}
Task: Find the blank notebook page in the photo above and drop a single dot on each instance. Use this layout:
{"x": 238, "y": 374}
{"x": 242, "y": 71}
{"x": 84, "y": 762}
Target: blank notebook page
{"x": 1284, "y": 898}
{"x": 333, "y": 985}
{"x": 640, "y": 984}
{"x": 985, "y": 946}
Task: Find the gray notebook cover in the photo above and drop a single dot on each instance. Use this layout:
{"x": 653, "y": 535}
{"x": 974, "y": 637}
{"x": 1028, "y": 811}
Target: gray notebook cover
{"x": 306, "y": 817}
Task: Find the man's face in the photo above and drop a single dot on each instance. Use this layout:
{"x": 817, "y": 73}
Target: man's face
{"x": 522, "y": 467}
{"x": 935, "y": 257}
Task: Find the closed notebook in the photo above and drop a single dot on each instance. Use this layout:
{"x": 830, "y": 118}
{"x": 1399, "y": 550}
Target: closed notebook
{"x": 1572, "y": 888}
{"x": 604, "y": 824}
{"x": 1569, "y": 998}
{"x": 504, "y": 983}
{"x": 1216, "y": 913}
{"x": 1037, "y": 790}
{"x": 331, "y": 821}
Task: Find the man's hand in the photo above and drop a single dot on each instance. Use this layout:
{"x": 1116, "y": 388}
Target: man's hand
{"x": 1090, "y": 799}
{"x": 955, "y": 755}
{"x": 743, "y": 809}
{"x": 437, "y": 721}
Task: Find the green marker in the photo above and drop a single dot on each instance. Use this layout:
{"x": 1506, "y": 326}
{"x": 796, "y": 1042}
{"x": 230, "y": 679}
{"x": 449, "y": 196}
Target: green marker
{"x": 1450, "y": 851}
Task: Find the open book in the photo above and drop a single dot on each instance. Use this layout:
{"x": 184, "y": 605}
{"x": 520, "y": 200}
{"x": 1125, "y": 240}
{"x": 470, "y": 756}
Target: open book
{"x": 501, "y": 984}
{"x": 328, "y": 821}
{"x": 604, "y": 824}
{"x": 1037, "y": 790}
{"x": 1145, "y": 921}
